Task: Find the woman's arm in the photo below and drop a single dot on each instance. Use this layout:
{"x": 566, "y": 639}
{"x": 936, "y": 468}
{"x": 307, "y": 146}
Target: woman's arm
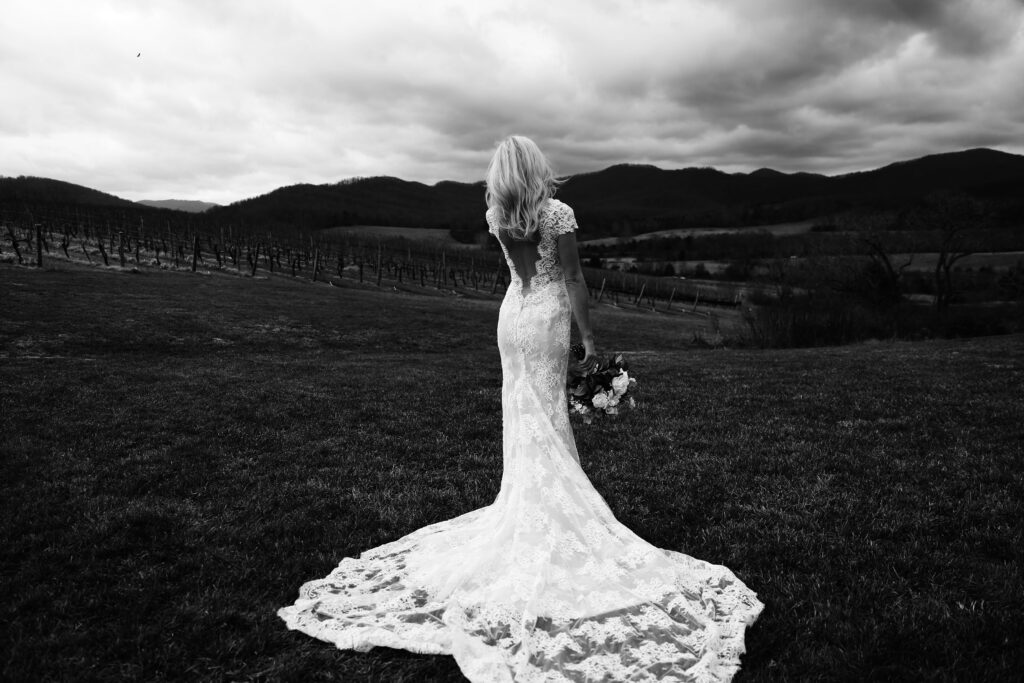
{"x": 569, "y": 257}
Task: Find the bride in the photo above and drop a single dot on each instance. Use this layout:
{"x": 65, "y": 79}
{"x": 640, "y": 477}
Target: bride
{"x": 544, "y": 583}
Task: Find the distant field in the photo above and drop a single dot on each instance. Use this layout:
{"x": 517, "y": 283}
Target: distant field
{"x": 996, "y": 260}
{"x": 181, "y": 451}
{"x": 713, "y": 267}
{"x": 440, "y": 236}
{"x": 432, "y": 235}
{"x": 921, "y": 262}
{"x": 796, "y": 228}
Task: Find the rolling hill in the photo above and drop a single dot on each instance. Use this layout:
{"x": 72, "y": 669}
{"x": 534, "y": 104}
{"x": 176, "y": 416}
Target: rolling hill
{"x": 29, "y": 190}
{"x": 621, "y": 199}
{"x": 643, "y": 198}
{"x": 368, "y": 201}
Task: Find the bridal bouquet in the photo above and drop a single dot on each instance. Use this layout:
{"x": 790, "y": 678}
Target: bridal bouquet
{"x": 603, "y": 391}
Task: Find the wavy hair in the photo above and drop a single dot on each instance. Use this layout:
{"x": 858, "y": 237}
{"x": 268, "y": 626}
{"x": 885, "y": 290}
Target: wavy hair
{"x": 519, "y": 181}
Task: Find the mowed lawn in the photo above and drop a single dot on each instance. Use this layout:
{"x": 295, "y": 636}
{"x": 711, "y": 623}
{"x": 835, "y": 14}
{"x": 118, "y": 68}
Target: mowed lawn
{"x": 180, "y": 452}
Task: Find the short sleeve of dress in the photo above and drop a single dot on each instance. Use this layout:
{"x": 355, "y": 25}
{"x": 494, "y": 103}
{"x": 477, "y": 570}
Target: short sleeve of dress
{"x": 563, "y": 219}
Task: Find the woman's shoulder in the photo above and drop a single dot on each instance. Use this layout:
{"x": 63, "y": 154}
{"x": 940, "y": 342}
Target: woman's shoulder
{"x": 559, "y": 217}
{"x": 557, "y": 206}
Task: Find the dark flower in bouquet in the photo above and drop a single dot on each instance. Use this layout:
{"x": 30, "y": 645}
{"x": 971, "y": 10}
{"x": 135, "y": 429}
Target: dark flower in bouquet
{"x": 606, "y": 390}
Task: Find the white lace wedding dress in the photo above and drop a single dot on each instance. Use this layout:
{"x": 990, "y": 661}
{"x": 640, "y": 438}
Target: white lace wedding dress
{"x": 544, "y": 584}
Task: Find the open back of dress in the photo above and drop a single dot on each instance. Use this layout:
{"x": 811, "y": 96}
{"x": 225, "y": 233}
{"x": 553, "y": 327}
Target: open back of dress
{"x": 544, "y": 583}
{"x": 522, "y": 257}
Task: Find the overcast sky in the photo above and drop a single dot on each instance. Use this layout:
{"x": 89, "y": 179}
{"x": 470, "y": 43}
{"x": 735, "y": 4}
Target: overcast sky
{"x": 230, "y": 99}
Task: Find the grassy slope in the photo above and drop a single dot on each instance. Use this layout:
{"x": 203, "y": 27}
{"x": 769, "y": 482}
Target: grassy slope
{"x": 180, "y": 452}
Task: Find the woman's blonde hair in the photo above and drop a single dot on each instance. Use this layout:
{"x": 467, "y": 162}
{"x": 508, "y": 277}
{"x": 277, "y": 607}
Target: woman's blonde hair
{"x": 519, "y": 181}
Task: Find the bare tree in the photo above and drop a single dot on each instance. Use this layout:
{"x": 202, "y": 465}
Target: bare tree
{"x": 953, "y": 216}
{"x": 883, "y": 278}
{"x": 865, "y": 266}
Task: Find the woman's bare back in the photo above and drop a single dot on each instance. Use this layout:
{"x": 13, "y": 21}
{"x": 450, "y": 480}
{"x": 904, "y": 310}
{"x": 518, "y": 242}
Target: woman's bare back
{"x": 523, "y": 256}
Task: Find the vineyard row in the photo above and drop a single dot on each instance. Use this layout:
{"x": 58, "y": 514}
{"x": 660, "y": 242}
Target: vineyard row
{"x": 397, "y": 260}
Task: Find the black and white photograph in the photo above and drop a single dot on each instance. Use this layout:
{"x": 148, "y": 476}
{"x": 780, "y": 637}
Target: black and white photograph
{"x": 509, "y": 341}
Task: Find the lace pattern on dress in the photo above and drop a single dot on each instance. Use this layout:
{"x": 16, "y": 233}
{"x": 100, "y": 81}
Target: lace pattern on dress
{"x": 543, "y": 584}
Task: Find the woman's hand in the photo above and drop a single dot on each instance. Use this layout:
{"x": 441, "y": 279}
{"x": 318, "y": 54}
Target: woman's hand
{"x": 589, "y": 362}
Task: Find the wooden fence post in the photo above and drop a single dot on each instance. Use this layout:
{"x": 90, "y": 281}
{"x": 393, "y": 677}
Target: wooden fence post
{"x": 640, "y": 296}
{"x": 39, "y": 245}
{"x": 379, "y": 264}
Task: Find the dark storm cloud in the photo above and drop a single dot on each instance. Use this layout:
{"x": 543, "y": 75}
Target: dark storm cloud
{"x": 965, "y": 28}
{"x": 231, "y": 99}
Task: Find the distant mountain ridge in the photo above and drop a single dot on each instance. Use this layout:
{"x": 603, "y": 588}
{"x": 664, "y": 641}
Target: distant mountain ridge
{"x": 643, "y": 198}
{"x": 631, "y": 198}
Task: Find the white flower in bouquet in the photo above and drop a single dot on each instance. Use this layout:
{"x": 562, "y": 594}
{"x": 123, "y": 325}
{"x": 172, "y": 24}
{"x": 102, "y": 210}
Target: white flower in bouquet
{"x": 601, "y": 391}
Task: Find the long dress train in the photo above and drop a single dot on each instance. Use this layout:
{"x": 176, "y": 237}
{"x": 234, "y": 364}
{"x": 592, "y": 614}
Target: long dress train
{"x": 544, "y": 583}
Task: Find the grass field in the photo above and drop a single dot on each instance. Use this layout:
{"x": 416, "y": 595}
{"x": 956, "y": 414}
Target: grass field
{"x": 181, "y": 452}
{"x": 777, "y": 229}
